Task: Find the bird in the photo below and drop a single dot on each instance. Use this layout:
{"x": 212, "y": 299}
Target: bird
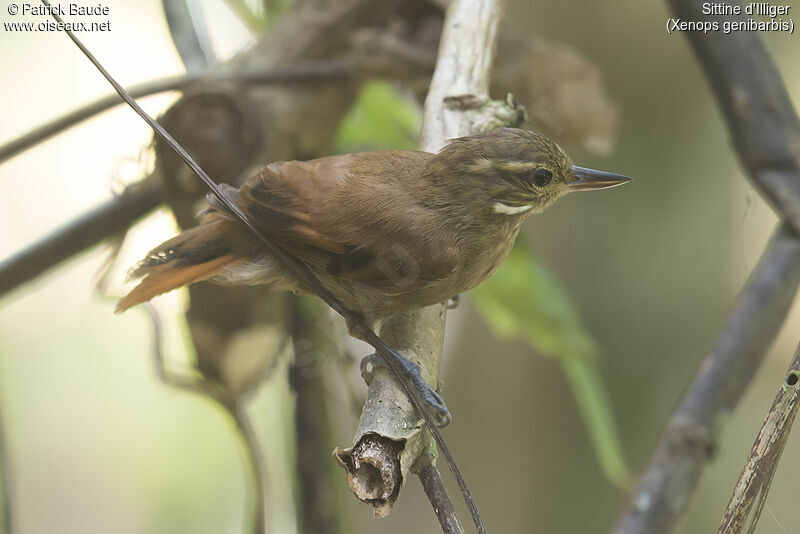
{"x": 384, "y": 231}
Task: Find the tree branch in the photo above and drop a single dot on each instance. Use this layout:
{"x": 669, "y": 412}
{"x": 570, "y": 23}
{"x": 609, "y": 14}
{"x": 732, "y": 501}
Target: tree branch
{"x": 756, "y": 477}
{"x": 300, "y": 74}
{"x": 766, "y": 132}
{"x": 319, "y": 488}
{"x": 437, "y": 494}
{"x": 755, "y": 105}
{"x": 466, "y": 52}
{"x": 83, "y": 232}
{"x": 689, "y": 439}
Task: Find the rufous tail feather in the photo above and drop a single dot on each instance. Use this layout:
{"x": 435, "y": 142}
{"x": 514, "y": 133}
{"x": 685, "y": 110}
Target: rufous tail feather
{"x": 167, "y": 277}
{"x": 196, "y": 254}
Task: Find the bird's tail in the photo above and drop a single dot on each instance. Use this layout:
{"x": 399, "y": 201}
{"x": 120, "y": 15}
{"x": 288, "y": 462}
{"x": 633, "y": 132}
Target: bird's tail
{"x": 194, "y": 255}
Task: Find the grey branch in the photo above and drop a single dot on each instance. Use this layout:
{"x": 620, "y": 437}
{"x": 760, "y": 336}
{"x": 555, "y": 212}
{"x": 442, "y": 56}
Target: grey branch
{"x": 690, "y": 435}
{"x": 388, "y": 421}
{"x": 766, "y": 132}
{"x": 755, "y": 104}
{"x": 756, "y": 477}
{"x": 304, "y": 73}
{"x": 437, "y": 494}
{"x": 466, "y": 53}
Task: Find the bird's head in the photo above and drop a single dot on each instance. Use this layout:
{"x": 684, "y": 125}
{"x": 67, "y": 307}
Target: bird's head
{"x": 520, "y": 171}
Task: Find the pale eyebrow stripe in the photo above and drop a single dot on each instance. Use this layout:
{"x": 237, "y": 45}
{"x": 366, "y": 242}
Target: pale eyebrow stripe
{"x": 515, "y": 166}
{"x": 486, "y": 164}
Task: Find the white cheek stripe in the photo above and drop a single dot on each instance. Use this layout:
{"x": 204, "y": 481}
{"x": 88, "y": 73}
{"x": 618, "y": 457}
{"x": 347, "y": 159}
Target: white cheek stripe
{"x": 505, "y": 209}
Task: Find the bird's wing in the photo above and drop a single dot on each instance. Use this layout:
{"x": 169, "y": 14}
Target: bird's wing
{"x": 353, "y": 219}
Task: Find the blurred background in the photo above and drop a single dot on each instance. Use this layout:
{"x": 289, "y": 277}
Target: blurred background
{"x": 97, "y": 443}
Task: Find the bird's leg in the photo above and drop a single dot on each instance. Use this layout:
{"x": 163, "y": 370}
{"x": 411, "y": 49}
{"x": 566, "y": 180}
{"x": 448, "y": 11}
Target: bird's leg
{"x": 413, "y": 375}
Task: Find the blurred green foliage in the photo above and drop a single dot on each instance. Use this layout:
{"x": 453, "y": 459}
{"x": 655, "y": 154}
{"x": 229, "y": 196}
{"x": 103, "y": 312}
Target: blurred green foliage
{"x": 382, "y": 118}
{"x": 258, "y": 15}
{"x": 524, "y": 300}
{"x": 5, "y": 520}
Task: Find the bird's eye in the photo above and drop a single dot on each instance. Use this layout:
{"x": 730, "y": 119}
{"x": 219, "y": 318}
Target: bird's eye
{"x": 542, "y": 177}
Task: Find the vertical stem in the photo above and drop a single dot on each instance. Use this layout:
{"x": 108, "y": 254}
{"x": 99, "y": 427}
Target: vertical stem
{"x": 256, "y": 461}
{"x": 437, "y": 494}
{"x": 318, "y": 507}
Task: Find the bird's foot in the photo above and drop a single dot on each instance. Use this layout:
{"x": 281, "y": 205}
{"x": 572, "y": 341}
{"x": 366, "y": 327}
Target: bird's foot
{"x": 434, "y": 403}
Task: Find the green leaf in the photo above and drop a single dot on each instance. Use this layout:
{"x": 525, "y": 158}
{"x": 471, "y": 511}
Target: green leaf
{"x": 256, "y": 15}
{"x": 381, "y": 118}
{"x": 524, "y": 300}
{"x": 248, "y": 15}
{"x": 592, "y": 399}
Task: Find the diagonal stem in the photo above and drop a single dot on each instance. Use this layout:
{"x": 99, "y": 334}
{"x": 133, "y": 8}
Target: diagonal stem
{"x": 766, "y": 133}
{"x": 305, "y": 73}
{"x": 762, "y": 462}
{"x": 689, "y": 439}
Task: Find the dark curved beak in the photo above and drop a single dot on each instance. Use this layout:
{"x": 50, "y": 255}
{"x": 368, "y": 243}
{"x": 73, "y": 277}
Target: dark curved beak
{"x": 590, "y": 179}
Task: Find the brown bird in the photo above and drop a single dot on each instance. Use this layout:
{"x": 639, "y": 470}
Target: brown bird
{"x": 384, "y": 231}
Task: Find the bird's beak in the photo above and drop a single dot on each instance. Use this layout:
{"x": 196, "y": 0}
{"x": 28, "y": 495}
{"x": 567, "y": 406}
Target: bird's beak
{"x": 589, "y": 179}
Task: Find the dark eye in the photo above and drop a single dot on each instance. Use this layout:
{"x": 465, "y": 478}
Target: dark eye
{"x": 542, "y": 177}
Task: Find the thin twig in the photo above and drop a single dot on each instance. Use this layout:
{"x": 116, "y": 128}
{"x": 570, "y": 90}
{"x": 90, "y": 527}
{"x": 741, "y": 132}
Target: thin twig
{"x": 762, "y": 462}
{"x": 437, "y": 494}
{"x": 188, "y": 383}
{"x": 235, "y": 408}
{"x": 256, "y": 461}
{"x": 306, "y": 277}
{"x": 766, "y": 133}
{"x": 308, "y": 73}
{"x": 81, "y": 233}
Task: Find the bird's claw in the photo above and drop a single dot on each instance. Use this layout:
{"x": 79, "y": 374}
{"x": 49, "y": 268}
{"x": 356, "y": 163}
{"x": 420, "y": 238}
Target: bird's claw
{"x": 434, "y": 403}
